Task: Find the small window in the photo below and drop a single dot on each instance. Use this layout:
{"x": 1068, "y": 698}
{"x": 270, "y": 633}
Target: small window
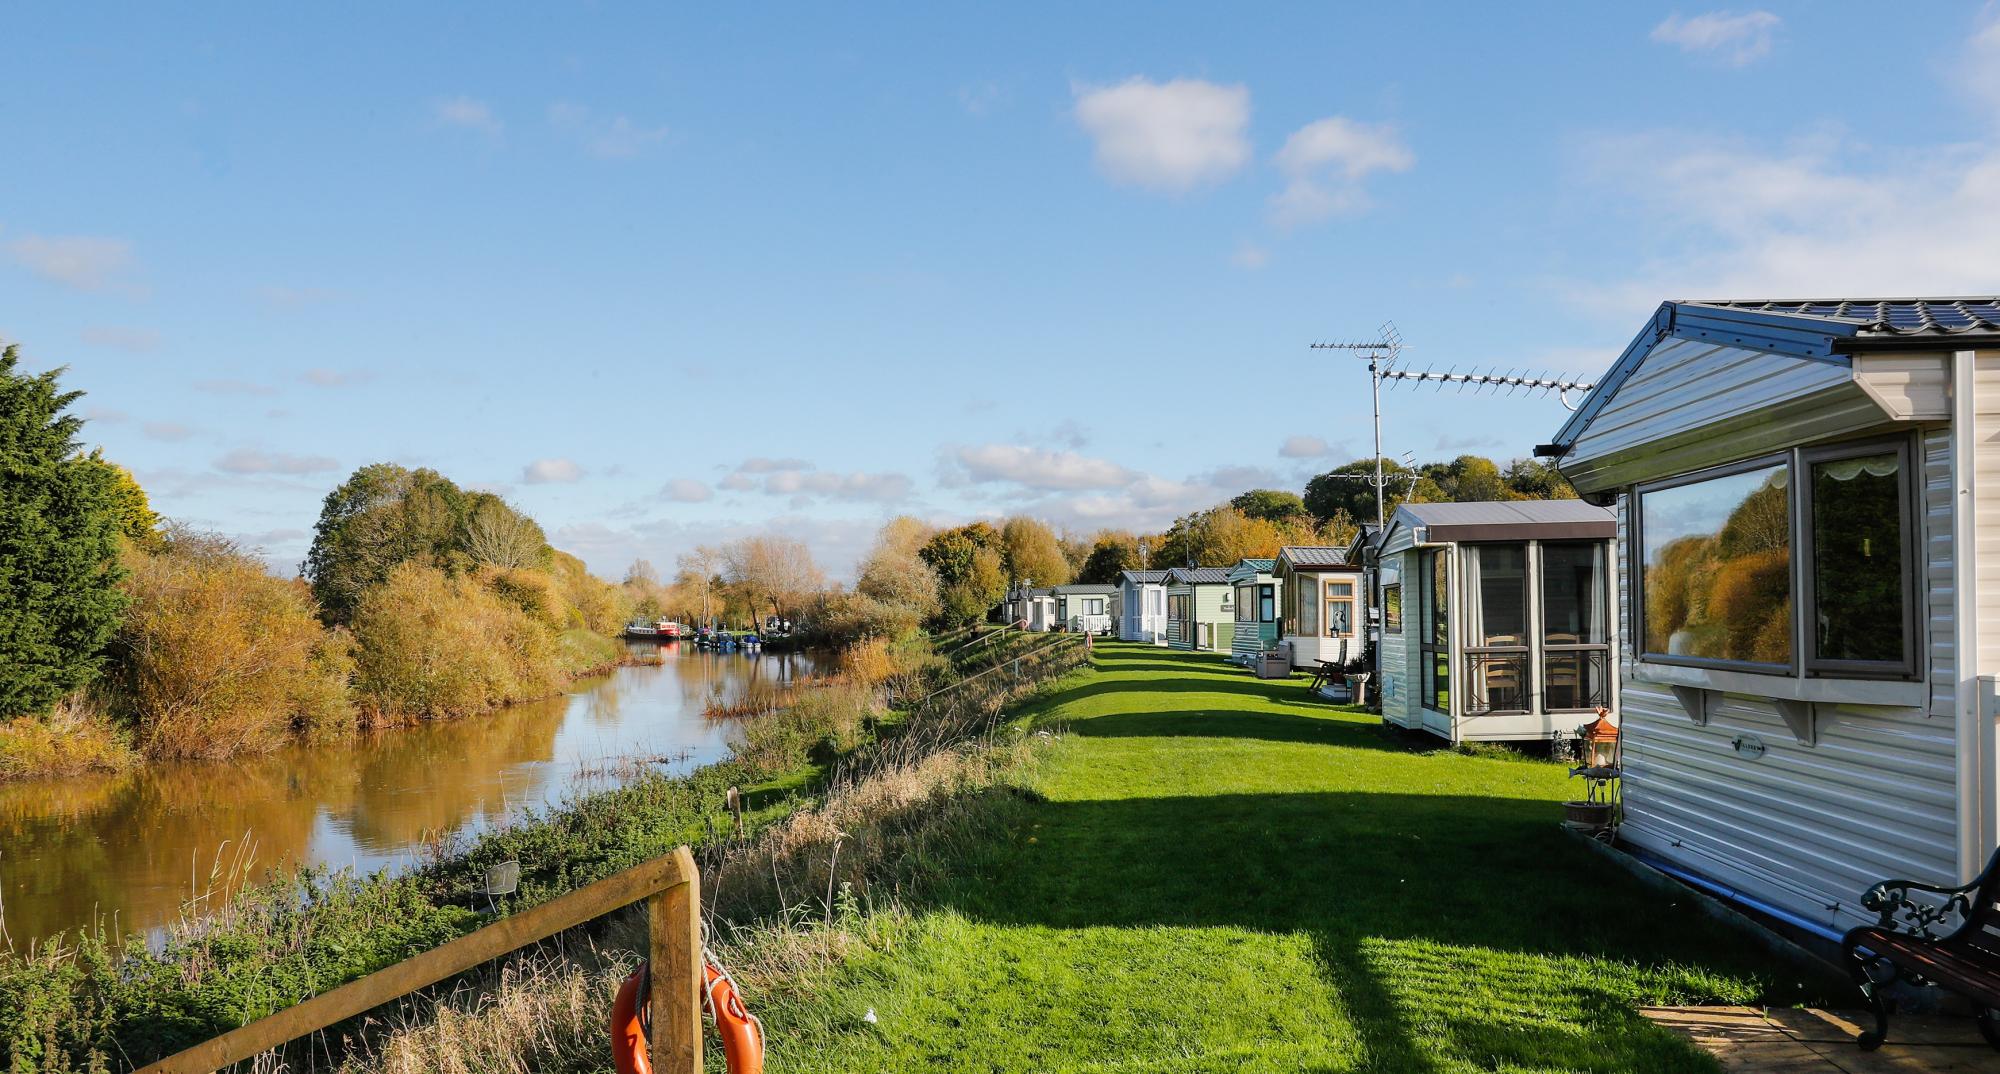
{"x": 1392, "y": 607}
{"x": 1858, "y": 573}
{"x": 1246, "y": 604}
{"x": 1339, "y": 609}
{"x": 1267, "y": 604}
{"x": 1305, "y": 593}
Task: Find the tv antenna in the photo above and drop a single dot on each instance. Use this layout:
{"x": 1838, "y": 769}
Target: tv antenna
{"x": 1384, "y": 352}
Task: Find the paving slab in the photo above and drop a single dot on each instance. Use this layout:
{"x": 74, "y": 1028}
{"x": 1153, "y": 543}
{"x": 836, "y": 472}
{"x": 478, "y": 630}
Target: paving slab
{"x": 1801, "y": 1040}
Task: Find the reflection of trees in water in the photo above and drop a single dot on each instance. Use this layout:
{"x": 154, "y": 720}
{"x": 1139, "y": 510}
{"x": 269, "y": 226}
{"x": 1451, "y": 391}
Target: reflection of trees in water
{"x": 465, "y": 769}
{"x": 1726, "y": 595}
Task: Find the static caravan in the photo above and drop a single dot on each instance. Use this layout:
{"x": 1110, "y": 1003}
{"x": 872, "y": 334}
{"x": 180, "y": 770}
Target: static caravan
{"x": 1806, "y": 494}
{"x": 1496, "y": 618}
{"x": 1254, "y": 593}
{"x": 1326, "y": 603}
{"x": 1198, "y": 612}
{"x": 1143, "y": 597}
{"x": 1086, "y": 609}
{"x": 1033, "y": 609}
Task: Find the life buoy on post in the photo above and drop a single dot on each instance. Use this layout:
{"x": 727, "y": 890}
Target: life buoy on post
{"x": 631, "y": 1018}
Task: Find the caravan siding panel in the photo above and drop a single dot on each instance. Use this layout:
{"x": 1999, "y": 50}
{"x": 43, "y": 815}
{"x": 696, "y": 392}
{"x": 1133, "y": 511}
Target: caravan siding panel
{"x": 1694, "y": 404}
{"x": 1986, "y": 392}
{"x": 1805, "y": 827}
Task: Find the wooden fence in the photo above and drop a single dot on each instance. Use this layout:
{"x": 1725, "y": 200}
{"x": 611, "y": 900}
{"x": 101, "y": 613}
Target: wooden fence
{"x": 672, "y": 887}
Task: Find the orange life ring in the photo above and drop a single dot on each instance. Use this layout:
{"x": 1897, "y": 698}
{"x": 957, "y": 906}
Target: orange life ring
{"x": 742, "y": 1034}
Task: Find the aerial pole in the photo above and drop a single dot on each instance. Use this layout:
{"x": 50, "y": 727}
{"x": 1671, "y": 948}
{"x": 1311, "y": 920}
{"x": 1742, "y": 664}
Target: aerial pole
{"x": 1382, "y": 354}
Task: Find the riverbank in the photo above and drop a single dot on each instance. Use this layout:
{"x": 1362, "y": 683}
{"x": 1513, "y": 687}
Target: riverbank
{"x": 266, "y": 946}
{"x": 1196, "y": 870}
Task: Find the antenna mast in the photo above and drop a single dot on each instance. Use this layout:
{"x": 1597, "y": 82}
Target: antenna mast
{"x": 1381, "y": 355}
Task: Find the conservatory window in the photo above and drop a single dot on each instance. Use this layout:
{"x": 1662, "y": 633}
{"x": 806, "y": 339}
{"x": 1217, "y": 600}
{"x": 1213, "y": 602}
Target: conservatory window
{"x": 1434, "y": 661}
{"x": 1716, "y": 568}
{"x": 1306, "y": 592}
{"x": 1246, "y": 604}
{"x": 1496, "y": 620}
{"x": 1576, "y": 637}
{"x": 1392, "y": 607}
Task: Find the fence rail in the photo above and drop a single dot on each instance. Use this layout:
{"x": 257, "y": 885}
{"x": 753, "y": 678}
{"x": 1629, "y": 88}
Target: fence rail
{"x": 671, "y": 885}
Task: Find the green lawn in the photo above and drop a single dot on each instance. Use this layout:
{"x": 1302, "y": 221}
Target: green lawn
{"x": 1219, "y": 874}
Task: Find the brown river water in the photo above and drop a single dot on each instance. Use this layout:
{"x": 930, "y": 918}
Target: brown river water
{"x": 131, "y": 850}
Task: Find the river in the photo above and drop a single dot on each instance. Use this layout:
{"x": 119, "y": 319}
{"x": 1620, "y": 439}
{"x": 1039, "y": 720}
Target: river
{"x": 129, "y": 850}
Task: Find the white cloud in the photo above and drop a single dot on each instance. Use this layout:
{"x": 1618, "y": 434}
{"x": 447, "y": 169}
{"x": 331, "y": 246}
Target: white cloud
{"x": 1979, "y": 71}
{"x": 467, "y": 112}
{"x": 254, "y": 461}
{"x": 686, "y": 490}
{"x": 1821, "y": 216}
{"x": 1325, "y": 163}
{"x": 737, "y": 483}
{"x": 87, "y": 263}
{"x": 137, "y": 340}
{"x": 1736, "y": 39}
{"x": 1305, "y": 447}
{"x": 1171, "y": 136}
{"x": 761, "y": 465}
{"x": 806, "y": 485}
{"x": 1038, "y": 469}
{"x": 612, "y": 138}
{"x": 836, "y": 543}
{"x": 551, "y": 472}
{"x": 1250, "y": 256}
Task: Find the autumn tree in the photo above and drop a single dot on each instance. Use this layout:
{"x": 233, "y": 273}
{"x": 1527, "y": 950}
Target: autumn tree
{"x": 61, "y": 521}
{"x": 771, "y": 571}
{"x": 1350, "y": 489}
{"x": 1270, "y": 505}
{"x": 381, "y": 516}
{"x": 971, "y": 575}
{"x": 1111, "y": 553}
{"x": 894, "y": 572}
{"x": 497, "y": 535}
{"x": 1030, "y": 550}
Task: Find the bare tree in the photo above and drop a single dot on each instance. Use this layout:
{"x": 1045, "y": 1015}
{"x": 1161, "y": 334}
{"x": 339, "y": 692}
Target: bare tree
{"x": 498, "y": 535}
{"x": 776, "y": 570}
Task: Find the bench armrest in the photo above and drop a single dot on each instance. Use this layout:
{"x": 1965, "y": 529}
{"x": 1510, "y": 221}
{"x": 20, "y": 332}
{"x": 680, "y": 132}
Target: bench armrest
{"x": 1891, "y": 900}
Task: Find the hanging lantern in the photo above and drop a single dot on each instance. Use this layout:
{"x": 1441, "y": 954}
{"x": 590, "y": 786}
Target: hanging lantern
{"x": 1600, "y": 741}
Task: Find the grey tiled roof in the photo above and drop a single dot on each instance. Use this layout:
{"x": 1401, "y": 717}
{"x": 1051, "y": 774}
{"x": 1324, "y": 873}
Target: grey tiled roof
{"x": 1883, "y": 316}
{"x": 1143, "y": 577}
{"x": 1309, "y": 555}
{"x": 1087, "y": 590}
{"x": 1197, "y": 576}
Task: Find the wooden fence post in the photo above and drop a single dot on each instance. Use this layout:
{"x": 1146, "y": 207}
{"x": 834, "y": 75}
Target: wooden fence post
{"x": 673, "y": 918}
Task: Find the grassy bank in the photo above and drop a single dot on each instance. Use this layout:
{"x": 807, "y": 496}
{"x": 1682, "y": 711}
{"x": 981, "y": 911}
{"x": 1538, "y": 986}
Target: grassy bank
{"x": 105, "y": 999}
{"x": 1164, "y": 864}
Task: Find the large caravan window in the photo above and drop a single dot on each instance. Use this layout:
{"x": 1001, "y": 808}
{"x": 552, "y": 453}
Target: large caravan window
{"x": 1435, "y": 633}
{"x": 1717, "y": 576}
{"x": 1716, "y": 568}
{"x": 1339, "y": 608}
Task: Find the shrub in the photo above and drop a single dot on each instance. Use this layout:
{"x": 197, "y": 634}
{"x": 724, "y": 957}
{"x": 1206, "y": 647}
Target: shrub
{"x": 530, "y": 590}
{"x": 429, "y": 645}
{"x": 76, "y": 736}
{"x": 217, "y": 657}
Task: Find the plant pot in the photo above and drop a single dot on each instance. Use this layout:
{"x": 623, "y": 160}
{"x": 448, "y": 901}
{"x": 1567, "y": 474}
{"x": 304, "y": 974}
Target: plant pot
{"x": 1587, "y": 814}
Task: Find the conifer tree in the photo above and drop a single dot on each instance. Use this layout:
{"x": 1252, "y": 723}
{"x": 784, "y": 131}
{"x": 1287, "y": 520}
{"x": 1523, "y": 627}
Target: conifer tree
{"x": 60, "y": 521}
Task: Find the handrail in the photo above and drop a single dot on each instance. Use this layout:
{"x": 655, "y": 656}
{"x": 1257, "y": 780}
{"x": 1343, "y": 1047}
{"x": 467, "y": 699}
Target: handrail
{"x": 670, "y": 883}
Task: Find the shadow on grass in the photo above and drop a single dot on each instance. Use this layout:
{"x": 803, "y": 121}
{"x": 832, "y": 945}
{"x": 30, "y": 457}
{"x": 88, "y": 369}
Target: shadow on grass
{"x": 1460, "y": 926}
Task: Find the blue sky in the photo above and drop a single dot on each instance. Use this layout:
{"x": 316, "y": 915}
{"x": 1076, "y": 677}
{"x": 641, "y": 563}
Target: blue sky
{"x": 668, "y": 277}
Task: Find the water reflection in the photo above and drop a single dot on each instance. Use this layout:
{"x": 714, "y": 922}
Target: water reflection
{"x": 132, "y": 848}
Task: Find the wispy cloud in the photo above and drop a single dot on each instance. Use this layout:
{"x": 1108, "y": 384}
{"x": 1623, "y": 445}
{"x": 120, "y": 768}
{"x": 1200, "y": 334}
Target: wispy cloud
{"x": 85, "y": 262}
{"x": 255, "y": 461}
{"x": 612, "y": 138}
{"x": 170, "y": 431}
{"x": 1171, "y": 136}
{"x": 1736, "y": 39}
{"x": 1250, "y": 256}
{"x": 686, "y": 490}
{"x": 467, "y": 112}
{"x": 228, "y": 386}
{"x": 1039, "y": 469}
{"x": 335, "y": 378}
{"x": 1325, "y": 162}
{"x": 551, "y": 472}
{"x": 137, "y": 340}
{"x": 1305, "y": 447}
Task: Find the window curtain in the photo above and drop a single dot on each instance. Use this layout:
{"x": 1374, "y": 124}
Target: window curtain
{"x": 1594, "y": 626}
{"x": 1471, "y": 612}
{"x": 1306, "y": 590}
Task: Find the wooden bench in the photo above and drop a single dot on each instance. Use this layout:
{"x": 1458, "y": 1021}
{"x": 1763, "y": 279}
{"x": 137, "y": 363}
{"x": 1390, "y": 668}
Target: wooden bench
{"x": 1916, "y": 941}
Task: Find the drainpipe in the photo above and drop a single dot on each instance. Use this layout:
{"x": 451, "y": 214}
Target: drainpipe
{"x": 1976, "y": 801}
